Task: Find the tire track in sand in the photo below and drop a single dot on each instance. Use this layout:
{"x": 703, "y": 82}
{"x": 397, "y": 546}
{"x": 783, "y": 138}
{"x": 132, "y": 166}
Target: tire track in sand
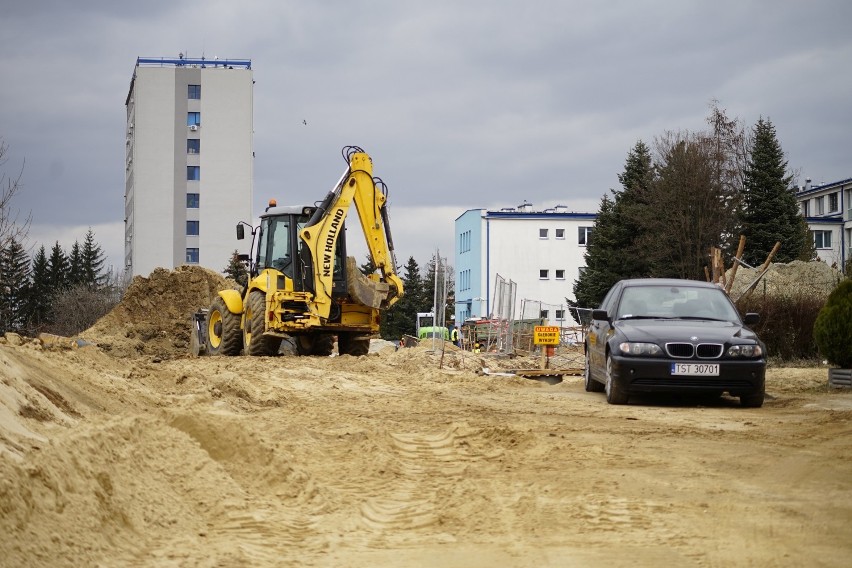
{"x": 423, "y": 462}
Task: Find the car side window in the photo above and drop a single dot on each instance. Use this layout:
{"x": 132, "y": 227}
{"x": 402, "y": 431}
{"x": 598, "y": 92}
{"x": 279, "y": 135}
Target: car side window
{"x": 608, "y": 303}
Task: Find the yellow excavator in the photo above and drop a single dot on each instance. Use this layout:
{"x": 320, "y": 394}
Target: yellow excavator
{"x": 302, "y": 285}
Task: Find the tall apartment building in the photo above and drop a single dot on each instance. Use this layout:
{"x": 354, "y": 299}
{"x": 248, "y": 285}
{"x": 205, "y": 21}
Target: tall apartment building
{"x": 542, "y": 252}
{"x": 189, "y": 162}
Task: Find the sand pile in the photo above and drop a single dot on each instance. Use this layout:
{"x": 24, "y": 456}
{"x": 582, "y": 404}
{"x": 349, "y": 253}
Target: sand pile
{"x": 814, "y": 278}
{"x": 154, "y": 316}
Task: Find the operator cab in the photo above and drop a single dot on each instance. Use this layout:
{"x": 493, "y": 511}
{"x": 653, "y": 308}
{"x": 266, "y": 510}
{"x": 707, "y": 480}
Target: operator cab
{"x": 280, "y": 248}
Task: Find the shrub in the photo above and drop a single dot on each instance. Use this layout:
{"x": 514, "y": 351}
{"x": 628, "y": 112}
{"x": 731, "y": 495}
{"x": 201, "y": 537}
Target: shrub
{"x": 833, "y": 326}
{"x": 786, "y": 324}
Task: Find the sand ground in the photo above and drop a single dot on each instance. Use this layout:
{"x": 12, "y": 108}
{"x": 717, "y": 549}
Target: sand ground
{"x": 109, "y": 459}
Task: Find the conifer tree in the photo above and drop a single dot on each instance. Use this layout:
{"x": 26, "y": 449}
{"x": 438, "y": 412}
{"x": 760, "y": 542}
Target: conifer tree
{"x": 236, "y": 269}
{"x": 75, "y": 266}
{"x": 14, "y": 286}
{"x": 770, "y": 212}
{"x": 613, "y": 251}
{"x": 92, "y": 257}
{"x": 402, "y": 317}
{"x": 40, "y": 295}
{"x": 57, "y": 269}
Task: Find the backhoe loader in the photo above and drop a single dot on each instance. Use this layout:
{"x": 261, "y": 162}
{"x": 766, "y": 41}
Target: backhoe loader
{"x": 301, "y": 283}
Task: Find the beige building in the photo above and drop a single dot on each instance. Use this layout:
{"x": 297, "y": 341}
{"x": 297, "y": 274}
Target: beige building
{"x": 189, "y": 162}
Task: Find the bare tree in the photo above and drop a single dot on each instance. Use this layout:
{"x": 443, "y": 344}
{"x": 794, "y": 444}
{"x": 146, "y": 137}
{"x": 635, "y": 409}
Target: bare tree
{"x": 690, "y": 208}
{"x": 11, "y": 226}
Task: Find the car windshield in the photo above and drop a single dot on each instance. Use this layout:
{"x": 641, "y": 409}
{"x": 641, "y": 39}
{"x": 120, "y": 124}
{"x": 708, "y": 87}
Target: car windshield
{"x": 685, "y": 302}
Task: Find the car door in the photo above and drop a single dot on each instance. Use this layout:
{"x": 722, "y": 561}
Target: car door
{"x": 599, "y": 332}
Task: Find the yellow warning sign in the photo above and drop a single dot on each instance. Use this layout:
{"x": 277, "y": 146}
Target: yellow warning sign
{"x": 546, "y": 335}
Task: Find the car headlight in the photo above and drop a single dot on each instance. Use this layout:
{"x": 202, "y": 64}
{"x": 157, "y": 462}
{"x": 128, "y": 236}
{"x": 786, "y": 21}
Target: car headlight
{"x": 745, "y": 351}
{"x": 638, "y": 349}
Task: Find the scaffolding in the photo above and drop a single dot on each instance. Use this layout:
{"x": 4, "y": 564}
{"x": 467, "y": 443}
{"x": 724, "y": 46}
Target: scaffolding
{"x": 439, "y": 299}
{"x": 496, "y": 332}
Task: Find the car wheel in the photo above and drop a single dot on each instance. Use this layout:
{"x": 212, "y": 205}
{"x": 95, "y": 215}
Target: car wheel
{"x": 614, "y": 393}
{"x": 590, "y": 384}
{"x": 754, "y": 400}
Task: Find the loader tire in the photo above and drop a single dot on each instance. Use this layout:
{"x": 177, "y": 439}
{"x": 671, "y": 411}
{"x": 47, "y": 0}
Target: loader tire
{"x": 349, "y": 343}
{"x": 257, "y": 344}
{"x": 223, "y": 330}
{"x": 319, "y": 344}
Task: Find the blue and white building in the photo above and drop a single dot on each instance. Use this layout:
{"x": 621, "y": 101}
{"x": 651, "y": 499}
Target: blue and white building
{"x": 827, "y": 208}
{"x": 541, "y": 251}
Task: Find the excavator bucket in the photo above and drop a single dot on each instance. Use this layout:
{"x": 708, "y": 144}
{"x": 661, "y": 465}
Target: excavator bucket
{"x": 363, "y": 290}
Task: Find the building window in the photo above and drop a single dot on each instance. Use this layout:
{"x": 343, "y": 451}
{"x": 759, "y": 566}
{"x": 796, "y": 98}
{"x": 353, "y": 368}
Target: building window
{"x": 542, "y": 233}
{"x": 193, "y": 146}
{"x": 193, "y": 173}
{"x": 584, "y": 235}
{"x": 560, "y": 275}
{"x": 464, "y": 241}
{"x": 560, "y": 233}
{"x": 543, "y": 274}
{"x": 804, "y": 208}
{"x": 543, "y": 314}
{"x": 833, "y": 206}
{"x": 581, "y": 271}
{"x": 560, "y": 314}
{"x": 819, "y": 205}
{"x": 822, "y": 239}
{"x": 194, "y": 92}
{"x": 192, "y": 256}
{"x": 193, "y": 200}
{"x": 193, "y": 118}
{"x": 192, "y": 228}
{"x": 464, "y": 280}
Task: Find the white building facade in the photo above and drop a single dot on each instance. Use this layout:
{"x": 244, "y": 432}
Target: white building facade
{"x": 542, "y": 252}
{"x": 189, "y": 162}
{"x": 827, "y": 208}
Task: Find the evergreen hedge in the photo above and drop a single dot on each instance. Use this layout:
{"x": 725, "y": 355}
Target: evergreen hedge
{"x": 833, "y": 326}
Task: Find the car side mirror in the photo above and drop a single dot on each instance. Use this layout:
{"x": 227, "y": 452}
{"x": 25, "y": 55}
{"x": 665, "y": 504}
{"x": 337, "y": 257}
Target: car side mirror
{"x": 600, "y": 315}
{"x": 241, "y": 232}
{"x": 751, "y": 318}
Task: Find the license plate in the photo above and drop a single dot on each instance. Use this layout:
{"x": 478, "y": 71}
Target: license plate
{"x": 696, "y": 369}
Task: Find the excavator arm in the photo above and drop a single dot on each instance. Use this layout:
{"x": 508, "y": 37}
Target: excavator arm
{"x": 322, "y": 231}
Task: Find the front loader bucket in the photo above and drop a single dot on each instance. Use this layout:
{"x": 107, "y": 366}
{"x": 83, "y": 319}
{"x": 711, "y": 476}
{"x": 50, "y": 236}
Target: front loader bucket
{"x": 363, "y": 290}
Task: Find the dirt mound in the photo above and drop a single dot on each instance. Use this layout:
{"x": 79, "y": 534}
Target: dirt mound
{"x": 814, "y": 278}
{"x": 153, "y": 318}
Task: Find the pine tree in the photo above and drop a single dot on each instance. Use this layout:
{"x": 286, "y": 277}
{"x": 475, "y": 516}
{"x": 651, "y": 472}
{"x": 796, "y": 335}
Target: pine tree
{"x": 613, "y": 252}
{"x": 75, "y": 266}
{"x": 92, "y": 258}
{"x": 14, "y": 286}
{"x": 769, "y": 211}
{"x": 402, "y": 317}
{"x": 57, "y": 269}
{"x": 39, "y": 307}
{"x": 369, "y": 266}
{"x": 600, "y": 272}
{"x": 236, "y": 269}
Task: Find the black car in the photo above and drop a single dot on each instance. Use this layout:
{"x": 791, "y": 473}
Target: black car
{"x": 668, "y": 335}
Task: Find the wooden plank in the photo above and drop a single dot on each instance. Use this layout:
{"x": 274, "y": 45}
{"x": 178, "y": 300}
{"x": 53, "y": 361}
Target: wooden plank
{"x": 530, "y": 373}
{"x": 739, "y": 255}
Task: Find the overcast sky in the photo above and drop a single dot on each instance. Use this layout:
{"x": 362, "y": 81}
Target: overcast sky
{"x": 461, "y": 104}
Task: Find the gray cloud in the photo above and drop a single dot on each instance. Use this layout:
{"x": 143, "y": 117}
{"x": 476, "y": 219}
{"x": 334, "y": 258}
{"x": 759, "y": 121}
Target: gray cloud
{"x": 462, "y": 105}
